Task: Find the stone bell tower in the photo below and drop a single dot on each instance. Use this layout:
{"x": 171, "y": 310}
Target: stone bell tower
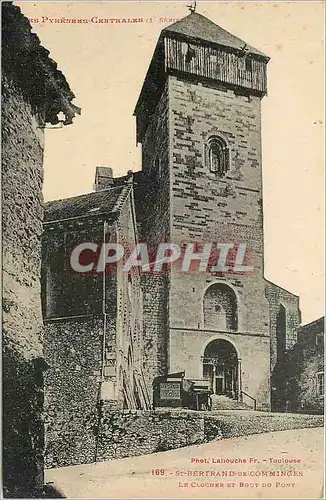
{"x": 199, "y": 123}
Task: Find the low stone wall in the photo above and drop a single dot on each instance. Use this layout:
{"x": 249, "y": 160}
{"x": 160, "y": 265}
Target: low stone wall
{"x": 242, "y": 423}
{"x": 132, "y": 433}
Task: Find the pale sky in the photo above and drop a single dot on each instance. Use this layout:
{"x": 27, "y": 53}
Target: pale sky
{"x": 105, "y": 65}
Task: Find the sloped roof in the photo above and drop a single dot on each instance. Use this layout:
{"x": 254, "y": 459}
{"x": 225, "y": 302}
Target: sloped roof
{"x": 198, "y": 26}
{"x": 96, "y": 203}
{"x": 313, "y": 326}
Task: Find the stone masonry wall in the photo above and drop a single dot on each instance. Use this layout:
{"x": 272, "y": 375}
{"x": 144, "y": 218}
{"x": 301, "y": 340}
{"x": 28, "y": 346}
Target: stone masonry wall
{"x": 205, "y": 209}
{"x": 22, "y": 213}
{"x": 22, "y": 178}
{"x": 134, "y": 433}
{"x": 303, "y": 362}
{"x": 209, "y": 209}
{"x": 129, "y": 342}
{"x": 277, "y": 296}
{"x": 152, "y": 202}
{"x": 73, "y": 345}
{"x": 302, "y": 390}
{"x": 34, "y": 92}
{"x": 255, "y": 376}
{"x": 73, "y": 349}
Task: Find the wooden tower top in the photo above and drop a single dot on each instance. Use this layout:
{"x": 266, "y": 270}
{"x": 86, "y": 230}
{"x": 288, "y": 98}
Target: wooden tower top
{"x": 198, "y": 49}
{"x": 196, "y": 27}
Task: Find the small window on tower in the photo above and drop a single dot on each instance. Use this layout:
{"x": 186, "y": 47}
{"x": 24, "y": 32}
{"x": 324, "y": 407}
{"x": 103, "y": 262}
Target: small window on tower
{"x": 217, "y": 156}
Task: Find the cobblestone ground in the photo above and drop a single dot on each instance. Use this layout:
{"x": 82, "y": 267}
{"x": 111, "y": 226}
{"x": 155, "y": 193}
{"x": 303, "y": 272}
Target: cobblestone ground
{"x": 286, "y": 464}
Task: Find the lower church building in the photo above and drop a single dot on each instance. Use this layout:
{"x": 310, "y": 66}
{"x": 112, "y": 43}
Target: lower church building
{"x": 109, "y": 331}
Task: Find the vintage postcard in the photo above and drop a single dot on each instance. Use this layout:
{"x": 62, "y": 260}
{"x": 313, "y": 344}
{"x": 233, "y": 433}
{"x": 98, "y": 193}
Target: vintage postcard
{"x": 163, "y": 243}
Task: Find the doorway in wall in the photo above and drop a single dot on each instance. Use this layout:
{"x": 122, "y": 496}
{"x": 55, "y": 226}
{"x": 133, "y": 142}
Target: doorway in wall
{"x": 220, "y": 366}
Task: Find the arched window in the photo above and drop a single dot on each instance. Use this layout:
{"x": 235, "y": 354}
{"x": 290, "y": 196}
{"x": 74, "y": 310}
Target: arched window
{"x": 220, "y": 308}
{"x": 217, "y": 155}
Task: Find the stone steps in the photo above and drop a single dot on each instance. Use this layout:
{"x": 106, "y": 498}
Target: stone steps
{"x": 220, "y": 402}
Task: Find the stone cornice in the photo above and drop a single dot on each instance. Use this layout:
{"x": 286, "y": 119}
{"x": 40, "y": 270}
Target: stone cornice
{"x": 27, "y": 63}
